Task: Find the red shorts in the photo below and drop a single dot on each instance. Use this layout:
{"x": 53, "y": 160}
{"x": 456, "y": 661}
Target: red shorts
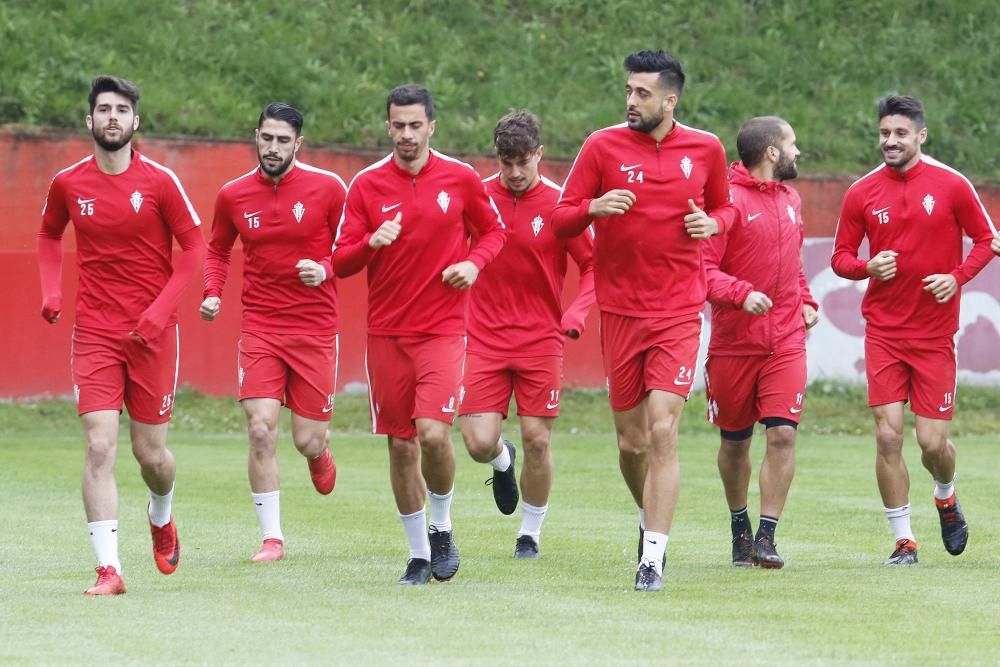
{"x": 298, "y": 370}
{"x": 743, "y": 390}
{"x": 921, "y": 370}
{"x": 413, "y": 377}
{"x": 534, "y": 381}
{"x": 110, "y": 367}
{"x": 642, "y": 354}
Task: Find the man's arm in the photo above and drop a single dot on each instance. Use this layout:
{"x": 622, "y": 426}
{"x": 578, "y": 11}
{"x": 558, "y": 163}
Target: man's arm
{"x": 55, "y": 217}
{"x": 352, "y": 248}
{"x": 482, "y": 223}
{"x": 847, "y": 241}
{"x": 810, "y": 307}
{"x": 724, "y": 289}
{"x": 217, "y": 258}
{"x": 572, "y": 213}
{"x": 581, "y": 249}
{"x": 718, "y": 203}
{"x": 976, "y": 222}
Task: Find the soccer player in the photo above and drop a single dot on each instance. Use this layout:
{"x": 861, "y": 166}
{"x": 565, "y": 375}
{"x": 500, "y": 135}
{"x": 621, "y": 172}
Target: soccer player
{"x": 653, "y": 189}
{"x": 913, "y": 210}
{"x": 408, "y": 218}
{"x": 282, "y": 211}
{"x": 761, "y": 308}
{"x": 126, "y": 210}
{"x": 517, "y": 329}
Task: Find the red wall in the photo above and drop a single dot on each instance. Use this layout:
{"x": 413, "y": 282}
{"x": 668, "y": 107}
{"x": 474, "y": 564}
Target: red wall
{"x": 34, "y": 356}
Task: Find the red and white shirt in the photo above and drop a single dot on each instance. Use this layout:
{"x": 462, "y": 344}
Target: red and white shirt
{"x": 278, "y": 224}
{"x": 921, "y": 215}
{"x": 645, "y": 264}
{"x": 515, "y": 308}
{"x": 442, "y": 206}
{"x": 125, "y": 224}
{"x": 762, "y": 252}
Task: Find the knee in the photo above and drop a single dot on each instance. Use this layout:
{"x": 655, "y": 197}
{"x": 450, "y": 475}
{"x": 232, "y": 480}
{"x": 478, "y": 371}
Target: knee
{"x": 663, "y": 433}
{"x": 404, "y": 452}
{"x": 101, "y": 451}
{"x": 933, "y": 444}
{"x": 536, "y": 447}
{"x": 888, "y": 438}
{"x": 262, "y": 434}
{"x": 632, "y": 442}
{"x": 434, "y": 437}
{"x": 781, "y": 438}
{"x": 480, "y": 449}
{"x": 314, "y": 441}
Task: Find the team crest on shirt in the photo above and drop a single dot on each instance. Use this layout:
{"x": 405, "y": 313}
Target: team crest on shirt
{"x": 537, "y": 224}
{"x": 791, "y": 214}
{"x": 443, "y": 200}
{"x": 687, "y": 166}
{"x": 136, "y": 200}
{"x": 298, "y": 211}
{"x": 928, "y": 204}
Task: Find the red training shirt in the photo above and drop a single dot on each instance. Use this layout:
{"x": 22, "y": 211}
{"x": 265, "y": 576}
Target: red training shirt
{"x": 124, "y": 224}
{"x": 645, "y": 264}
{"x": 515, "y": 309}
{"x": 442, "y": 206}
{"x": 919, "y": 214}
{"x": 278, "y": 224}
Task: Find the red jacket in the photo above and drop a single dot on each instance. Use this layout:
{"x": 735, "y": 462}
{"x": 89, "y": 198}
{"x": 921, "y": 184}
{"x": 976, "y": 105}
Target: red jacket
{"x": 762, "y": 252}
{"x": 920, "y": 214}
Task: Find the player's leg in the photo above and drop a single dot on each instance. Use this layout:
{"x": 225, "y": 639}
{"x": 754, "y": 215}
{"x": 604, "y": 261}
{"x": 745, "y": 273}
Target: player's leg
{"x": 933, "y": 403}
{"x": 730, "y": 384}
{"x": 487, "y": 389}
{"x": 536, "y": 483}
{"x": 263, "y": 418}
{"x": 312, "y": 382}
{"x": 410, "y": 493}
{"x": 100, "y": 498}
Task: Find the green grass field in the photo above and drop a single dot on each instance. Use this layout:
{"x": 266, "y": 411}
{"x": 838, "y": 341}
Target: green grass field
{"x": 334, "y": 599}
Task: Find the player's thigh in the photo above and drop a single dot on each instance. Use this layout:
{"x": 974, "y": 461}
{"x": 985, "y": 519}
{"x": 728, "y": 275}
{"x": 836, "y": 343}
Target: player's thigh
{"x": 151, "y": 377}
{"x": 391, "y": 387}
{"x": 312, "y": 377}
{"x": 438, "y": 362}
{"x": 623, "y": 350}
{"x": 781, "y": 385}
{"x": 487, "y": 385}
{"x": 888, "y": 375}
{"x": 97, "y": 364}
{"x": 730, "y": 390}
{"x": 673, "y": 356}
{"x": 932, "y": 386}
{"x": 537, "y": 386}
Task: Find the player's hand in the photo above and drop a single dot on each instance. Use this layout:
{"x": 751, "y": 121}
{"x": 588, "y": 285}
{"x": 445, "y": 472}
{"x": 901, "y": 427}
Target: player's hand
{"x": 51, "y": 310}
{"x": 137, "y": 337}
{"x": 810, "y": 316}
{"x": 312, "y": 274}
{"x": 942, "y": 285}
{"x": 210, "y": 308}
{"x": 387, "y": 233}
{"x": 612, "y": 202}
{"x": 757, "y": 303}
{"x": 573, "y": 333}
{"x": 995, "y": 246}
{"x": 461, "y": 275}
{"x": 698, "y": 224}
{"x": 883, "y": 265}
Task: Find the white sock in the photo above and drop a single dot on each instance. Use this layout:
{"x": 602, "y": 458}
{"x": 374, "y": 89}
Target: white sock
{"x": 268, "y": 506}
{"x": 415, "y": 526}
{"x": 104, "y": 537}
{"x": 654, "y": 545}
{"x": 159, "y": 507}
{"x": 441, "y": 510}
{"x": 944, "y": 491}
{"x": 899, "y": 521}
{"x": 501, "y": 462}
{"x": 642, "y": 518}
{"x": 531, "y": 521}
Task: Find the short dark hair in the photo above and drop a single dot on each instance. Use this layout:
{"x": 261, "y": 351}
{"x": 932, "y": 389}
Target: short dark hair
{"x": 408, "y": 94}
{"x": 902, "y": 105}
{"x": 517, "y": 134}
{"x": 756, "y": 135}
{"x": 283, "y": 112}
{"x": 106, "y": 83}
{"x": 670, "y": 70}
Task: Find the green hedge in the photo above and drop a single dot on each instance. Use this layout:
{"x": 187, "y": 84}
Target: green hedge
{"x": 206, "y": 67}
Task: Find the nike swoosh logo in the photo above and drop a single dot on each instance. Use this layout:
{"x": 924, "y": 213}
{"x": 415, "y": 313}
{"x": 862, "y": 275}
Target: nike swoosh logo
{"x": 945, "y": 408}
{"x": 754, "y": 217}
{"x": 444, "y": 409}
{"x": 328, "y": 409}
{"x": 176, "y": 555}
{"x": 634, "y": 166}
{"x": 682, "y": 384}
{"x": 881, "y": 210}
{"x": 551, "y": 406}
{"x": 164, "y": 411}
{"x": 795, "y": 411}
{"x": 250, "y": 215}
{"x": 85, "y": 201}
{"x": 386, "y": 209}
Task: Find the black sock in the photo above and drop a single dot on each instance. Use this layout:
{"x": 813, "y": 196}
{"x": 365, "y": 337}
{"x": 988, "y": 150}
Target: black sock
{"x": 766, "y": 527}
{"x": 740, "y": 521}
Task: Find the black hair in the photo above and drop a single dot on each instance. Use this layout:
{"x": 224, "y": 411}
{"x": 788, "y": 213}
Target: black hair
{"x": 408, "y": 94}
{"x": 671, "y": 74}
{"x": 756, "y": 135}
{"x": 283, "y": 112}
{"x": 902, "y": 105}
{"x": 106, "y": 83}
